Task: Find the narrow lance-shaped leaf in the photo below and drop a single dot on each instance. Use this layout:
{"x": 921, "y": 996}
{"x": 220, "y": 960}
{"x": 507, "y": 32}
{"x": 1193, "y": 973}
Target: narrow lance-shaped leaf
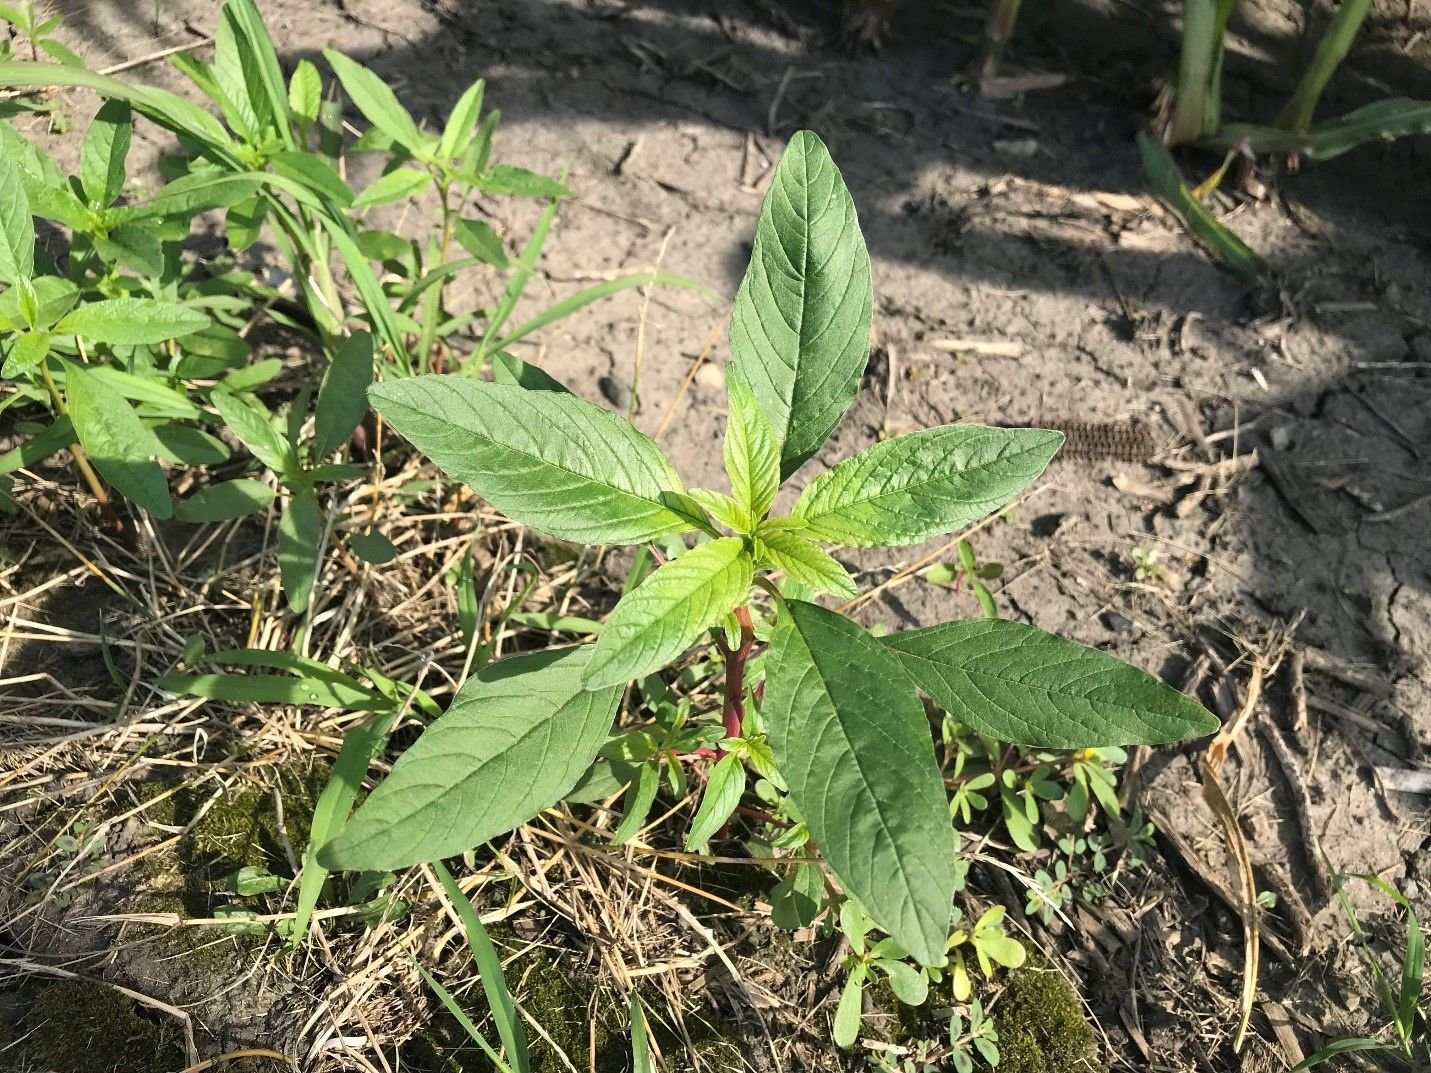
{"x": 1027, "y": 687}
{"x": 544, "y": 458}
{"x": 786, "y": 550}
{"x": 376, "y": 101}
{"x": 132, "y": 321}
{"x": 850, "y": 736}
{"x": 106, "y": 147}
{"x": 752, "y": 456}
{"x": 343, "y": 397}
{"x": 221, "y": 502}
{"x": 121, "y": 447}
{"x": 724, "y": 788}
{"x": 17, "y": 228}
{"x": 517, "y": 737}
{"x": 300, "y": 532}
{"x": 800, "y": 331}
{"x": 255, "y": 427}
{"x": 924, "y": 484}
{"x": 666, "y": 613}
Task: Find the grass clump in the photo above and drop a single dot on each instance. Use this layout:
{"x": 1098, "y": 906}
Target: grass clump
{"x": 83, "y": 1027}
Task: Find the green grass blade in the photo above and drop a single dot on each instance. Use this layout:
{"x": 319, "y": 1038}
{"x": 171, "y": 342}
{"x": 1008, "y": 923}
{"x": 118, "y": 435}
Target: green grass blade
{"x": 640, "y": 1044}
{"x": 489, "y": 966}
{"x": 330, "y": 812}
{"x": 526, "y": 265}
{"x": 1341, "y": 1046}
{"x": 572, "y": 303}
{"x": 1386, "y": 120}
{"x": 273, "y": 689}
{"x": 1167, "y": 183}
{"x": 459, "y": 1015}
{"x": 1331, "y": 50}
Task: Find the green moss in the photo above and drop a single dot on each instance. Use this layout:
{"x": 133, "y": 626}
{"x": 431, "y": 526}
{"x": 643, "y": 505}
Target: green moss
{"x": 240, "y": 829}
{"x": 1041, "y": 1025}
{"x": 83, "y": 1027}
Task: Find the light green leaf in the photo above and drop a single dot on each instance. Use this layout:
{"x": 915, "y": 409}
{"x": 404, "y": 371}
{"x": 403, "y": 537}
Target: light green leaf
{"x": 373, "y": 547}
{"x": 479, "y": 239}
{"x": 376, "y": 101}
{"x": 121, "y": 447}
{"x": 800, "y": 331}
{"x": 221, "y": 502}
{"x": 505, "y": 179}
{"x": 305, "y": 92}
{"x": 27, "y": 349}
{"x": 17, "y": 227}
{"x": 851, "y": 738}
{"x": 461, "y": 123}
{"x": 275, "y": 689}
{"x": 199, "y": 192}
{"x": 1026, "y": 687}
{"x": 666, "y": 613}
{"x": 509, "y": 369}
{"x": 788, "y": 551}
{"x": 544, "y": 458}
{"x": 300, "y": 531}
{"x": 343, "y": 398}
{"x": 106, "y": 147}
{"x": 636, "y": 804}
{"x": 724, "y": 788}
{"x": 313, "y": 172}
{"x": 850, "y": 1011}
{"x": 752, "y": 457}
{"x": 255, "y": 427}
{"x": 131, "y": 321}
{"x": 724, "y": 509}
{"x": 517, "y": 737}
{"x": 909, "y": 985}
{"x": 919, "y": 486}
{"x": 394, "y": 186}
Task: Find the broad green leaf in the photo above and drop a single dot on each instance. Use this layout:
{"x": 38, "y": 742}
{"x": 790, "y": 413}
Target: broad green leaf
{"x": 106, "y": 147}
{"x": 544, "y": 458}
{"x": 192, "y": 194}
{"x": 924, "y": 484}
{"x": 852, "y": 740}
{"x": 505, "y": 179}
{"x": 133, "y": 246}
{"x": 724, "y": 509}
{"x": 117, "y": 442}
{"x": 131, "y": 321}
{"x": 373, "y": 547}
{"x": 461, "y": 123}
{"x": 27, "y": 349}
{"x": 795, "y": 900}
{"x": 52, "y": 297}
{"x": 850, "y": 1010}
{"x": 724, "y": 788}
{"x": 479, "y": 239}
{"x": 752, "y": 456}
{"x": 786, "y": 550}
{"x": 509, "y": 369}
{"x": 666, "y": 613}
{"x": 800, "y": 331}
{"x": 221, "y": 502}
{"x": 909, "y": 985}
{"x": 244, "y": 222}
{"x": 343, "y": 398}
{"x": 300, "y": 531}
{"x": 517, "y": 737}
{"x": 394, "y": 186}
{"x": 383, "y": 245}
{"x": 376, "y": 101}
{"x": 305, "y": 92}
{"x": 254, "y": 426}
{"x": 17, "y": 227}
{"x": 1026, "y": 687}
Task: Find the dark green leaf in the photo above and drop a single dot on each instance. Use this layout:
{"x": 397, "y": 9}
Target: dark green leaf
{"x": 343, "y": 398}
{"x": 315, "y": 173}
{"x": 545, "y": 458}
{"x": 1027, "y": 687}
{"x": 505, "y": 179}
{"x": 300, "y": 532}
{"x": 221, "y": 502}
{"x": 255, "y": 427}
{"x": 850, "y": 736}
{"x": 274, "y": 689}
{"x": 509, "y": 369}
{"x": 117, "y": 442}
{"x": 106, "y": 147}
{"x": 801, "y": 328}
{"x": 483, "y": 243}
{"x": 517, "y": 737}
{"x": 724, "y": 788}
{"x": 372, "y": 547}
{"x": 17, "y": 228}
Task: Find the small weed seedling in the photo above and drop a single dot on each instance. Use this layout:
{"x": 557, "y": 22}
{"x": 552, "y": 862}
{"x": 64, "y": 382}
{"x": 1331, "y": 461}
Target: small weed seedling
{"x": 826, "y": 716}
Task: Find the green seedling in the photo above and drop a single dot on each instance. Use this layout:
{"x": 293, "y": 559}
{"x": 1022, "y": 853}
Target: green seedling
{"x": 838, "y": 709}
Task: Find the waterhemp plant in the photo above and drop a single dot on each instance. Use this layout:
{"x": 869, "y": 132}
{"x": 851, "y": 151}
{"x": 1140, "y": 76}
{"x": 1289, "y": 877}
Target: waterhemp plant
{"x": 837, "y": 733}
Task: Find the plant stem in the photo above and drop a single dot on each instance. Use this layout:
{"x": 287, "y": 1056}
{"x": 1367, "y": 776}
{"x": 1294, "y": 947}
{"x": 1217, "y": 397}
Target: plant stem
{"x": 91, "y": 478}
{"x": 1331, "y": 50}
{"x": 733, "y": 712}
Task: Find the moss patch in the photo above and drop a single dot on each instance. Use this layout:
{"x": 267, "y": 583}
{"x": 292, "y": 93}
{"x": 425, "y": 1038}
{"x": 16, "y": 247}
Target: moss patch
{"x": 83, "y": 1027}
{"x": 1041, "y": 1025}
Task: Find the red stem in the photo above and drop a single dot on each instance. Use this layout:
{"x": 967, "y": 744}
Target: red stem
{"x": 734, "y": 711}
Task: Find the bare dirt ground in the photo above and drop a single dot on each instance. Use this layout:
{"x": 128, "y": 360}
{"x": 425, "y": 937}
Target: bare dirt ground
{"x": 1022, "y": 275}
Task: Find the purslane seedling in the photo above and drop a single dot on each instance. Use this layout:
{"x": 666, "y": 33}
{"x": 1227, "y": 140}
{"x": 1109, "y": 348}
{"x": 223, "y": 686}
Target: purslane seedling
{"x": 826, "y": 717}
